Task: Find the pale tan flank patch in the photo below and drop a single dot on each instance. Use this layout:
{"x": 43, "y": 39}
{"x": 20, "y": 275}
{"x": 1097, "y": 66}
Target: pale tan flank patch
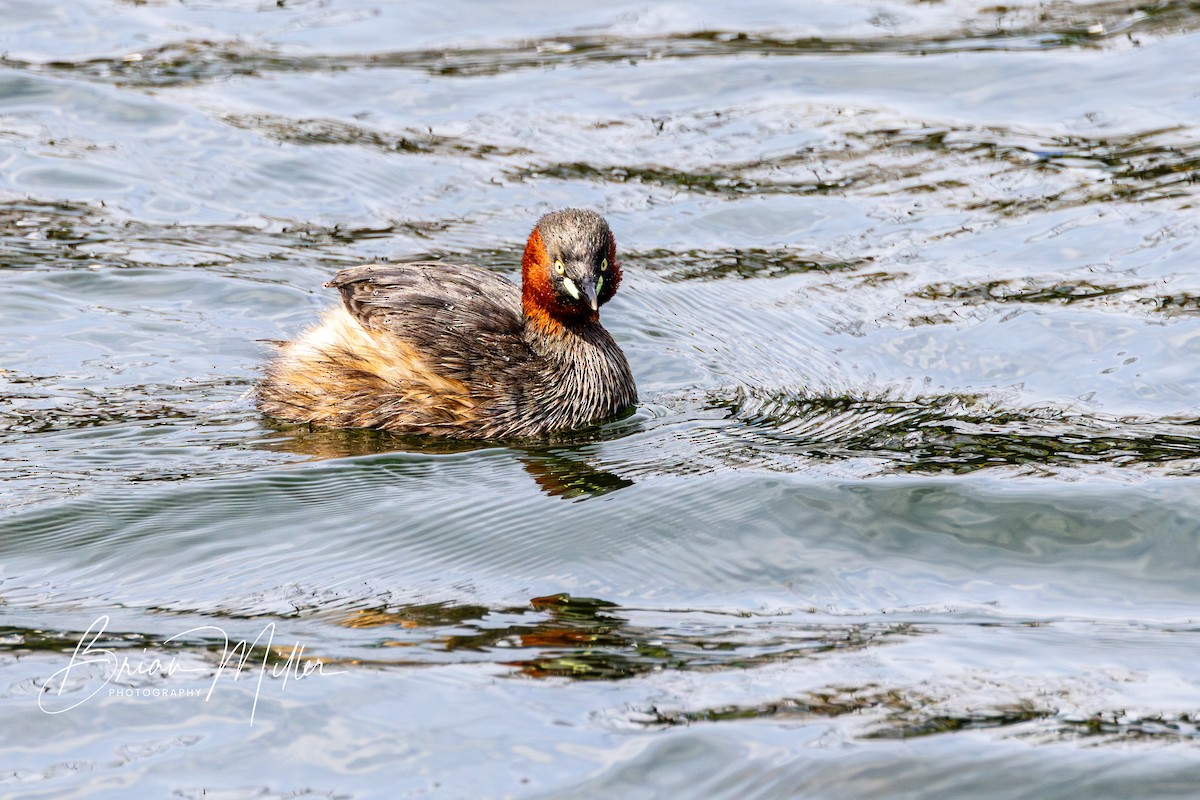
{"x": 341, "y": 374}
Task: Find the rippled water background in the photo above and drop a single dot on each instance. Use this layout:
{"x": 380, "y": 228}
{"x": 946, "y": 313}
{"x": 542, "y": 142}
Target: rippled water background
{"x": 909, "y": 504}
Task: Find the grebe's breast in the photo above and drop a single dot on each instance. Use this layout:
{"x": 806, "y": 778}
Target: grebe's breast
{"x": 587, "y": 377}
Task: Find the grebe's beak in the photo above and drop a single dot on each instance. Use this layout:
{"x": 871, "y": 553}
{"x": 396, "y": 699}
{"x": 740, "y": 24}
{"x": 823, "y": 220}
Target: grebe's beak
{"x": 588, "y": 287}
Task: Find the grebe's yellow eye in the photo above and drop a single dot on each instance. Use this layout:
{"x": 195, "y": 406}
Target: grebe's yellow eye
{"x": 559, "y": 267}
{"x": 604, "y": 264}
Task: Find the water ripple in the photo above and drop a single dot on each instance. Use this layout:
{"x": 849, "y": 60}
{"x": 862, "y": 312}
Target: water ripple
{"x": 1059, "y": 26}
{"x": 954, "y": 434}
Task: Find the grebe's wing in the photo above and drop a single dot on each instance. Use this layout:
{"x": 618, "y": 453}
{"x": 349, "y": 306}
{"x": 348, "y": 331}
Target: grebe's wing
{"x": 460, "y": 318}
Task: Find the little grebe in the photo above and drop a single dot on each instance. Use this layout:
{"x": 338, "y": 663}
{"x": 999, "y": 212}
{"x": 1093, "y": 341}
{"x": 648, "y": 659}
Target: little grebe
{"x": 455, "y": 350}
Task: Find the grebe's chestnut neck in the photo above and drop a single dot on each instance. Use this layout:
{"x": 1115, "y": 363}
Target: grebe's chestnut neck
{"x": 569, "y": 268}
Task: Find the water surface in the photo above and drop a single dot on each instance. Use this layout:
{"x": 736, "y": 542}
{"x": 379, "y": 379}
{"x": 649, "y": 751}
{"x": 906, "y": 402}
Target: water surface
{"x": 908, "y": 504}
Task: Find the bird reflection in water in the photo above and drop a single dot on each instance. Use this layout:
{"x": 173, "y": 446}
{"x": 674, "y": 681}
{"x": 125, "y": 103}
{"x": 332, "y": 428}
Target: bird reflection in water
{"x": 556, "y": 465}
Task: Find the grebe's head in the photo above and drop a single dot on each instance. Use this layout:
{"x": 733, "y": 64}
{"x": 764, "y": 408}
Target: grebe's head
{"x": 570, "y": 267}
